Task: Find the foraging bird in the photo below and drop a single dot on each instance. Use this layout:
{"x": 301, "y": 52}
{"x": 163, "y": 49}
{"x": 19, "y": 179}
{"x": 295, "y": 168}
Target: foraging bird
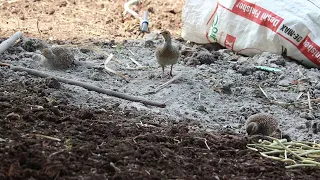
{"x": 168, "y": 54}
{"x": 261, "y": 123}
{"x": 59, "y": 57}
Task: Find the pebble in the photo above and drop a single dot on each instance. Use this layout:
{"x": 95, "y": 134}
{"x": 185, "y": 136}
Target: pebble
{"x": 205, "y": 57}
{"x": 306, "y": 115}
{"x": 284, "y": 82}
{"x": 53, "y": 83}
{"x": 13, "y": 116}
{"x": 201, "y": 108}
{"x": 149, "y": 44}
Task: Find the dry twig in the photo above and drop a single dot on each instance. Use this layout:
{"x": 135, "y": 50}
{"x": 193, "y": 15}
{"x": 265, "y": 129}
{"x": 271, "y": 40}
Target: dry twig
{"x": 113, "y": 71}
{"x": 309, "y": 101}
{"x": 165, "y": 84}
{"x": 86, "y": 86}
{"x": 115, "y": 167}
{"x": 62, "y": 150}
{"x": 205, "y": 142}
{"x": 48, "y": 137}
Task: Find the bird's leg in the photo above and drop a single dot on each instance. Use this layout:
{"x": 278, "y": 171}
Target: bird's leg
{"x": 162, "y": 71}
{"x": 170, "y": 73}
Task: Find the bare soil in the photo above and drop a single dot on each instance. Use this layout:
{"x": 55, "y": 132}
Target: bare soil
{"x": 56, "y": 131}
{"x": 110, "y": 143}
{"x": 81, "y": 21}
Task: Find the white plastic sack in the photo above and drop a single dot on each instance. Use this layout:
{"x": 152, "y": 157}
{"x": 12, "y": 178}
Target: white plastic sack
{"x": 253, "y": 26}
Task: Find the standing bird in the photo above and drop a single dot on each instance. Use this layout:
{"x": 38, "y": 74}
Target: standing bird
{"x": 167, "y": 54}
{"x": 261, "y": 123}
{"x": 59, "y": 57}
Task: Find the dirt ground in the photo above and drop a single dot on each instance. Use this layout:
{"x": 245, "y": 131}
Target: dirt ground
{"x": 109, "y": 143}
{"x": 79, "y": 21}
{"x": 52, "y": 130}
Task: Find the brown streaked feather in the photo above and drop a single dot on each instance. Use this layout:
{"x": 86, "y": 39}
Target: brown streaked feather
{"x": 261, "y": 123}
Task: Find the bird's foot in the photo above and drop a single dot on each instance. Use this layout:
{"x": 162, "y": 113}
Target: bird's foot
{"x": 169, "y": 75}
{"x": 163, "y": 76}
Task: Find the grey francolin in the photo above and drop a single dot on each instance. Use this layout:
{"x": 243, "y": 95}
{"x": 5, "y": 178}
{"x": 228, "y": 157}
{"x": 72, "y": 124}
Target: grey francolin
{"x": 167, "y": 54}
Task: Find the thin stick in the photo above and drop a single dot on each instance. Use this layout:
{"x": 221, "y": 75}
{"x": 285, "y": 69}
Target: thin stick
{"x": 168, "y": 82}
{"x": 38, "y": 27}
{"x": 164, "y": 85}
{"x": 113, "y": 71}
{"x": 48, "y": 137}
{"x": 7, "y": 43}
{"x": 264, "y": 93}
{"x": 89, "y": 87}
{"x": 136, "y": 62}
{"x": 131, "y": 52}
{"x": 205, "y": 142}
{"x": 298, "y": 97}
{"x": 56, "y": 153}
{"x": 114, "y": 167}
{"x": 309, "y": 101}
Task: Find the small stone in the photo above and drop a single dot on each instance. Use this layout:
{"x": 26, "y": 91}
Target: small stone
{"x": 307, "y": 115}
{"x": 202, "y": 67}
{"x": 308, "y": 124}
{"x": 13, "y": 116}
{"x": 284, "y": 82}
{"x": 191, "y": 61}
{"x": 213, "y": 46}
{"x": 86, "y": 115}
{"x": 201, "y": 108}
{"x": 232, "y": 58}
{"x": 302, "y": 126}
{"x": 227, "y": 87}
{"x": 53, "y": 83}
{"x": 4, "y": 105}
{"x": 151, "y": 76}
{"x": 278, "y": 61}
{"x": 187, "y": 52}
{"x": 262, "y": 169}
{"x": 301, "y": 88}
{"x": 315, "y": 128}
{"x": 205, "y": 57}
{"x": 245, "y": 69}
{"x": 149, "y": 43}
{"x": 84, "y": 50}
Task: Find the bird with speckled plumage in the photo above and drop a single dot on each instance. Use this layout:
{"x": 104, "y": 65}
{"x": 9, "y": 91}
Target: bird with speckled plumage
{"x": 59, "y": 57}
{"x": 168, "y": 54}
{"x": 261, "y": 124}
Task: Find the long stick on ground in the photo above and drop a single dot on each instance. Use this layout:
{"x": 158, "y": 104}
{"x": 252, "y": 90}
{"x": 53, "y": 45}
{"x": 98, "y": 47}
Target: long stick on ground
{"x": 87, "y": 86}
